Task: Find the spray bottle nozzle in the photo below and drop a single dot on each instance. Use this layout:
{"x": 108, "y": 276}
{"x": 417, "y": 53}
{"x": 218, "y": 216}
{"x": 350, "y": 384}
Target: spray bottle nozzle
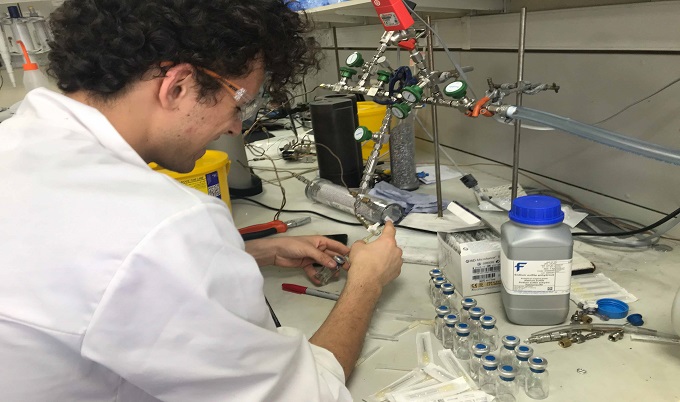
{"x": 28, "y": 65}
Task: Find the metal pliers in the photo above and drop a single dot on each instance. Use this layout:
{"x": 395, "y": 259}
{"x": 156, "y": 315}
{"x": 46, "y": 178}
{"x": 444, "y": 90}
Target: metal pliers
{"x": 266, "y": 229}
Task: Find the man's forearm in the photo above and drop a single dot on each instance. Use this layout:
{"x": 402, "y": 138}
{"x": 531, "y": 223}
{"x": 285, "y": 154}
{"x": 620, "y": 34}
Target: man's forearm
{"x": 262, "y": 250}
{"x": 344, "y": 330}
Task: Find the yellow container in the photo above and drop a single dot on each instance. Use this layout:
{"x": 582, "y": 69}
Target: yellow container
{"x": 209, "y": 175}
{"x": 371, "y": 116}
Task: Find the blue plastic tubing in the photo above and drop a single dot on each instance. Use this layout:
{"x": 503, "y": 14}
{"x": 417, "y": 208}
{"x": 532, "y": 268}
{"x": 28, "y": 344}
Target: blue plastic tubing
{"x": 597, "y": 134}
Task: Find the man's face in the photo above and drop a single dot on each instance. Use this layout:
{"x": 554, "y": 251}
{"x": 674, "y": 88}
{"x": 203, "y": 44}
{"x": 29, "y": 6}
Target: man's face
{"x": 196, "y": 124}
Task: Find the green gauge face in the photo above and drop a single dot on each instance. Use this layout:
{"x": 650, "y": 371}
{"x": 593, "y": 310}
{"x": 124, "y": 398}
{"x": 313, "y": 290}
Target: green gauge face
{"x": 409, "y": 96}
{"x": 397, "y": 113}
{"x": 454, "y": 86}
{"x": 359, "y": 134}
{"x": 352, "y": 58}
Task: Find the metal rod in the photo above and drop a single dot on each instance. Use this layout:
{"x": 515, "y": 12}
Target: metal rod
{"x": 520, "y": 78}
{"x": 435, "y": 129}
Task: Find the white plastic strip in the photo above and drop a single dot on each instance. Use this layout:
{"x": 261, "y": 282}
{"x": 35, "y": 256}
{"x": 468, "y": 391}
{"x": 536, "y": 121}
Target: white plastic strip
{"x": 424, "y": 351}
{"x": 439, "y": 373}
{"x": 434, "y": 392}
{"x": 412, "y": 377}
{"x": 454, "y": 366}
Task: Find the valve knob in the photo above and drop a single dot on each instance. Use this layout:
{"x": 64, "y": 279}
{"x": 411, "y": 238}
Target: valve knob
{"x": 355, "y": 60}
{"x": 383, "y": 76}
{"x": 456, "y": 89}
{"x": 347, "y": 72}
{"x": 362, "y": 134}
{"x": 401, "y": 110}
{"x": 412, "y": 93}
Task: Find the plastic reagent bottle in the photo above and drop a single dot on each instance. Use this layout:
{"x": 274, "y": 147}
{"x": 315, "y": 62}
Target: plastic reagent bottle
{"x": 536, "y": 255}
{"x": 466, "y": 305}
{"x": 488, "y": 333}
{"x": 33, "y": 77}
{"x": 488, "y": 374}
{"x": 537, "y": 384}
{"x": 449, "y": 298}
{"x": 521, "y": 365}
{"x": 449, "y": 331}
{"x": 434, "y": 273}
{"x": 507, "y": 354}
{"x": 462, "y": 344}
{"x": 439, "y": 321}
{"x": 478, "y": 350}
{"x": 506, "y": 385}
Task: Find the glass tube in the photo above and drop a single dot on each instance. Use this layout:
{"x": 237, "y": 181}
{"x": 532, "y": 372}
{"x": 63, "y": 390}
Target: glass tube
{"x": 373, "y": 210}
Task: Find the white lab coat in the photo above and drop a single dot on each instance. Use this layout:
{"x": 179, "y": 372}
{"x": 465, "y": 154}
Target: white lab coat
{"x": 117, "y": 283}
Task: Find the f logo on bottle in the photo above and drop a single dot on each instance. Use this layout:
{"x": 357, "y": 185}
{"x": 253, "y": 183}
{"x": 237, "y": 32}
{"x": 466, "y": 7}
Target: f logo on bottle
{"x": 520, "y": 265}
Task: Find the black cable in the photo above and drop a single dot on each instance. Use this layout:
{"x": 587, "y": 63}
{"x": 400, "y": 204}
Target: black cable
{"x": 634, "y": 232}
{"x": 305, "y": 211}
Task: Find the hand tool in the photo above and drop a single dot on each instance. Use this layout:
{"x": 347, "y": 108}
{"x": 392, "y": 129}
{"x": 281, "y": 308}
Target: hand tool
{"x": 266, "y": 229}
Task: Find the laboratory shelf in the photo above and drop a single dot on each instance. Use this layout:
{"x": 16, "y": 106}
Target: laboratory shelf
{"x": 358, "y": 12}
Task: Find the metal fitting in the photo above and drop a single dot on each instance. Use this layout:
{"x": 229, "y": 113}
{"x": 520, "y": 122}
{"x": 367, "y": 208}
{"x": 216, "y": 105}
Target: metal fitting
{"x": 565, "y": 343}
{"x": 615, "y": 336}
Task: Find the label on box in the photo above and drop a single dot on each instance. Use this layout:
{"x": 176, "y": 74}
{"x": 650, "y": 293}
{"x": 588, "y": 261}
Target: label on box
{"x": 546, "y": 277}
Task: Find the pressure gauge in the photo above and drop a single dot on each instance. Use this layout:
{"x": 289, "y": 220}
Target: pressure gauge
{"x": 355, "y": 60}
{"x": 362, "y": 134}
{"x": 412, "y": 94}
{"x": 401, "y": 110}
{"x": 456, "y": 89}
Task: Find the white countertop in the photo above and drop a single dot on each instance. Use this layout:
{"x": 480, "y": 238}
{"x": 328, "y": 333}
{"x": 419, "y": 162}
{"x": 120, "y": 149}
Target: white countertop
{"x": 618, "y": 371}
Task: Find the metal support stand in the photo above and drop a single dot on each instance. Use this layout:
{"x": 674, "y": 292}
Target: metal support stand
{"x": 435, "y": 129}
{"x": 520, "y": 78}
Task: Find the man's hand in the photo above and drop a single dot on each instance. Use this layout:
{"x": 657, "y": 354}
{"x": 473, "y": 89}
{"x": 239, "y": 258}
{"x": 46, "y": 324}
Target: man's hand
{"x": 297, "y": 251}
{"x": 378, "y": 262}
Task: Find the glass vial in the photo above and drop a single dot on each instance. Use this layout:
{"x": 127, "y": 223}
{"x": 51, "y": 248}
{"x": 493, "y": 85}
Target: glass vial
{"x": 449, "y": 298}
{"x": 434, "y": 273}
{"x": 506, "y": 385}
{"x": 449, "y": 331}
{"x": 462, "y": 344}
{"x": 439, "y": 321}
{"x": 488, "y": 374}
{"x": 475, "y": 314}
{"x": 537, "y": 384}
{"x": 521, "y": 365}
{"x": 507, "y": 355}
{"x": 488, "y": 332}
{"x": 466, "y": 304}
{"x": 478, "y": 350}
{"x": 437, "y": 293}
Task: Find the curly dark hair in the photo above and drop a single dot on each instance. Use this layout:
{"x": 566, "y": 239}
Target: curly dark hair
{"x": 103, "y": 46}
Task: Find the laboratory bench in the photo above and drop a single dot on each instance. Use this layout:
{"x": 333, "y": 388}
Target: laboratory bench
{"x": 596, "y": 370}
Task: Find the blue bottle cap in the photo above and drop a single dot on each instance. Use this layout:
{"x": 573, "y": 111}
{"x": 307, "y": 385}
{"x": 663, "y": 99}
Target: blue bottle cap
{"x": 612, "y": 308}
{"x": 635, "y": 320}
{"x": 536, "y": 210}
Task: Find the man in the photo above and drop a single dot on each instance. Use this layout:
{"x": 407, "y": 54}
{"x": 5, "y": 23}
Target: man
{"x": 116, "y": 282}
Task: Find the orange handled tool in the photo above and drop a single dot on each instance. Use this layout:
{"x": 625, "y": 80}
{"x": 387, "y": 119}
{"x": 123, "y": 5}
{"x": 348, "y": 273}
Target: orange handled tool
{"x": 266, "y": 229}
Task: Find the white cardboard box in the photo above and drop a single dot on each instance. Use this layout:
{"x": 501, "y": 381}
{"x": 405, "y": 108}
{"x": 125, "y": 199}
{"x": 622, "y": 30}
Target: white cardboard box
{"x": 473, "y": 266}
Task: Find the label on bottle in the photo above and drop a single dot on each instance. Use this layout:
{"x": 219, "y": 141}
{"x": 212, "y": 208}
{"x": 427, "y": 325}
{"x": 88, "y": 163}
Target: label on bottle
{"x": 545, "y": 277}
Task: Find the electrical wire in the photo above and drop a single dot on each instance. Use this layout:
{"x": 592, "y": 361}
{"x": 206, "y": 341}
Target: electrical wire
{"x": 675, "y": 81}
{"x": 634, "y": 232}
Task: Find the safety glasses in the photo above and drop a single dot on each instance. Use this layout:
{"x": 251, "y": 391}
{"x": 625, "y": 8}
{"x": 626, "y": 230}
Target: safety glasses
{"x": 248, "y": 104}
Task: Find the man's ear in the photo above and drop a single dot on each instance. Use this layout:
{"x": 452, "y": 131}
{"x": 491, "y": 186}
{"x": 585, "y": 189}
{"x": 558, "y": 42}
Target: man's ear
{"x": 176, "y": 86}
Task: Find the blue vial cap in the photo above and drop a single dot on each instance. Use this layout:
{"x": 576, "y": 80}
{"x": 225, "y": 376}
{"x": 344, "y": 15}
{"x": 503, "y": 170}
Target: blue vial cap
{"x": 612, "y": 308}
{"x": 536, "y": 210}
{"x": 635, "y": 320}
